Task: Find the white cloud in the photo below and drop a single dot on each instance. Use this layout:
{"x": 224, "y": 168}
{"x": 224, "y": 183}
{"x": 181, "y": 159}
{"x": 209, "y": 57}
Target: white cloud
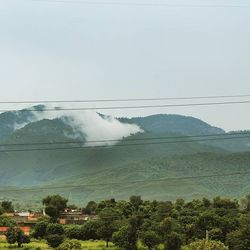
{"x": 92, "y": 126}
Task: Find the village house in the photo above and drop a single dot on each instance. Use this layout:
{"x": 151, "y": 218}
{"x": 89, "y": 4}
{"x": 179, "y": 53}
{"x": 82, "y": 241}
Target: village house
{"x": 25, "y": 221}
{"x": 70, "y": 216}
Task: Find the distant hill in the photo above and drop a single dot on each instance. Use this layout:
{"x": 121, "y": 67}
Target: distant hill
{"x": 60, "y": 164}
{"x": 12, "y": 121}
{"x": 163, "y": 123}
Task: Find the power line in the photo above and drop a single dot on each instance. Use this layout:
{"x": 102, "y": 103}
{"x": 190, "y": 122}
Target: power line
{"x": 233, "y": 135}
{"x": 125, "y": 99}
{"x": 129, "y": 107}
{"x": 129, "y": 182}
{"x": 118, "y": 145}
{"x": 145, "y": 4}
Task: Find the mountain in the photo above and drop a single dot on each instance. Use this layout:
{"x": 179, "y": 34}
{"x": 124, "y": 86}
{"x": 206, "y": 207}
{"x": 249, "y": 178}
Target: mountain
{"x": 12, "y": 121}
{"x": 163, "y": 123}
{"x": 129, "y": 165}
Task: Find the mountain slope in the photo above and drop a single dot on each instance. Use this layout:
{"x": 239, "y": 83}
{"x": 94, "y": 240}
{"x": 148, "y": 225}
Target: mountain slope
{"x": 12, "y": 121}
{"x": 131, "y": 163}
{"x": 163, "y": 123}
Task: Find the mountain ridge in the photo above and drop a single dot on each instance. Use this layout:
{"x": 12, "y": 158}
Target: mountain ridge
{"x": 118, "y": 161}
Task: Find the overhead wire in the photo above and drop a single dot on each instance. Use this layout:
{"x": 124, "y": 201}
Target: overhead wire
{"x": 232, "y": 135}
{"x": 57, "y": 109}
{"x": 126, "y": 99}
{"x": 118, "y": 145}
{"x": 137, "y": 144}
{"x": 144, "y": 4}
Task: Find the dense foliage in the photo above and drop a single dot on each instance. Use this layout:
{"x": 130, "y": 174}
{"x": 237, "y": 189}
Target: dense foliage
{"x": 208, "y": 245}
{"x": 181, "y": 225}
{"x": 54, "y": 205}
{"x": 16, "y": 235}
{"x": 70, "y": 245}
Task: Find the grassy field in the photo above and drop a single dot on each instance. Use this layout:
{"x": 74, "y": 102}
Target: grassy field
{"x": 88, "y": 245}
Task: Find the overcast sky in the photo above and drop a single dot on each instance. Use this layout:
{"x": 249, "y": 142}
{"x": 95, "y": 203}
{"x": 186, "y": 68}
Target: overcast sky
{"x": 64, "y": 50}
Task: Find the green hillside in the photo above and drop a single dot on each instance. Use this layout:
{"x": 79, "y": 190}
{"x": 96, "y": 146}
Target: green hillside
{"x": 174, "y": 124}
{"x": 143, "y": 178}
{"x": 122, "y": 169}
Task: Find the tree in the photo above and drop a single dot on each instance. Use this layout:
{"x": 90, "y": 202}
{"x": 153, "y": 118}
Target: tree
{"x": 208, "y": 245}
{"x": 70, "y": 245}
{"x": 173, "y": 241}
{"x": 54, "y": 228}
{"x": 54, "y": 240}
{"x": 166, "y": 226}
{"x": 235, "y": 241}
{"x": 11, "y": 235}
{"x": 125, "y": 208}
{"x": 206, "y": 221}
{"x": 105, "y": 231}
{"x": 90, "y": 208}
{"x": 22, "y": 238}
{"x": 54, "y": 234}
{"x": 39, "y": 230}
{"x": 225, "y": 203}
{"x": 53, "y": 213}
{"x": 125, "y": 238}
{"x": 135, "y": 201}
{"x": 74, "y": 232}
{"x": 245, "y": 203}
{"x": 206, "y": 202}
{"x": 107, "y": 224}
{"x": 16, "y": 235}
{"x": 7, "y": 206}
{"x": 89, "y": 230}
{"x": 150, "y": 239}
{"x": 240, "y": 239}
{"x": 1, "y": 210}
{"x": 54, "y": 205}
{"x": 179, "y": 203}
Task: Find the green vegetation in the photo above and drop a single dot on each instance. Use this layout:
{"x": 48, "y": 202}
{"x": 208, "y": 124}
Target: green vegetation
{"x": 54, "y": 205}
{"x": 121, "y": 164}
{"x": 7, "y": 222}
{"x": 70, "y": 245}
{"x": 208, "y": 245}
{"x": 16, "y": 235}
{"x": 137, "y": 224}
{"x": 42, "y": 245}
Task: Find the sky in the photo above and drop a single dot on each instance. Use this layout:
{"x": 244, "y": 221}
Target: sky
{"x": 66, "y": 50}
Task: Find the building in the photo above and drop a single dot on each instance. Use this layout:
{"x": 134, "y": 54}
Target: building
{"x": 75, "y": 217}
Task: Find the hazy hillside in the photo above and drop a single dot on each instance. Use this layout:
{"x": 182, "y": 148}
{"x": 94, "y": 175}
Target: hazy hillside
{"x": 12, "y": 121}
{"x": 76, "y": 163}
{"x": 174, "y": 124}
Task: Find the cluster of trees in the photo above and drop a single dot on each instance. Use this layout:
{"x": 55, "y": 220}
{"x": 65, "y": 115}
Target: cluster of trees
{"x": 172, "y": 225}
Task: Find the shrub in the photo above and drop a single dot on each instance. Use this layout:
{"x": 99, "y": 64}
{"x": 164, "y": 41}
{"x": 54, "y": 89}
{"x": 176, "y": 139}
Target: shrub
{"x": 40, "y": 230}
{"x": 54, "y": 228}
{"x": 74, "y": 232}
{"x": 208, "y": 245}
{"x": 54, "y": 240}
{"x": 70, "y": 245}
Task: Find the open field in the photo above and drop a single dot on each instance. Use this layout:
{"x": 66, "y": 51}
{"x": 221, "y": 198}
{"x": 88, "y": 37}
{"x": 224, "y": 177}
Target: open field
{"x": 90, "y": 245}
{"x": 87, "y": 245}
